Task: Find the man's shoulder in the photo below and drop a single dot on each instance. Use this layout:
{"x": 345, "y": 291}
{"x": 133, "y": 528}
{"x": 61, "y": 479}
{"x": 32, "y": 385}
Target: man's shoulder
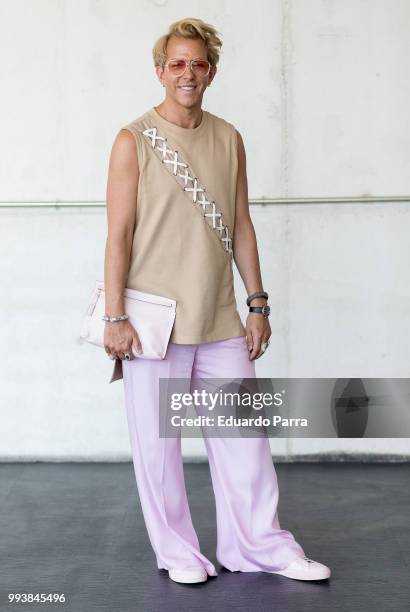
{"x": 138, "y": 124}
{"x": 221, "y": 122}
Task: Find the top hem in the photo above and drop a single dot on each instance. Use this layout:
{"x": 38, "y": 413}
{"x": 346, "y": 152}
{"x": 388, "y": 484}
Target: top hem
{"x": 207, "y": 338}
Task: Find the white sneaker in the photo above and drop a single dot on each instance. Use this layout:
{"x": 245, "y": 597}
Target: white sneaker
{"x": 189, "y": 575}
{"x": 304, "y": 568}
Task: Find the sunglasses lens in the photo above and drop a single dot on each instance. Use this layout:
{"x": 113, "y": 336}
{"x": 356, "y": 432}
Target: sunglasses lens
{"x": 176, "y": 67}
{"x": 200, "y": 67}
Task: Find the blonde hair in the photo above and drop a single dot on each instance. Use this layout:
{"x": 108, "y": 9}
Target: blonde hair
{"x": 189, "y": 28}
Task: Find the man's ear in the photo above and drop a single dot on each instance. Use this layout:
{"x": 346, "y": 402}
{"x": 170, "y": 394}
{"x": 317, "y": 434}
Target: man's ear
{"x": 212, "y": 74}
{"x": 160, "y": 72}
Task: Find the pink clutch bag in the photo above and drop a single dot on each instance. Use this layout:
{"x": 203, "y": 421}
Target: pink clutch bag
{"x": 152, "y": 316}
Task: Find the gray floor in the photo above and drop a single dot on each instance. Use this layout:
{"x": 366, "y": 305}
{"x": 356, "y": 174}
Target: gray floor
{"x": 77, "y": 529}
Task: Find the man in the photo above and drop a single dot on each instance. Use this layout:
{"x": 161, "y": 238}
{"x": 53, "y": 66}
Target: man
{"x": 158, "y": 242}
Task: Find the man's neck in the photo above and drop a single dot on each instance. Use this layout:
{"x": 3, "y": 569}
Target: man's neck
{"x": 183, "y": 117}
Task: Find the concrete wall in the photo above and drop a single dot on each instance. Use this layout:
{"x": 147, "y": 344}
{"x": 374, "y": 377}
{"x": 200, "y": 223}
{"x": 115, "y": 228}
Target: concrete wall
{"x": 318, "y": 91}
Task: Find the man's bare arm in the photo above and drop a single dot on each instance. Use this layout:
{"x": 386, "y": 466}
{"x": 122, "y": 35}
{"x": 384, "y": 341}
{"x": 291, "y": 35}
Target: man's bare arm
{"x": 122, "y": 191}
{"x": 245, "y": 253}
{"x": 122, "y": 186}
{"x": 245, "y": 250}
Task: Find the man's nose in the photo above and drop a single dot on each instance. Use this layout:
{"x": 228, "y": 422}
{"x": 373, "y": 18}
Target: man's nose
{"x": 189, "y": 71}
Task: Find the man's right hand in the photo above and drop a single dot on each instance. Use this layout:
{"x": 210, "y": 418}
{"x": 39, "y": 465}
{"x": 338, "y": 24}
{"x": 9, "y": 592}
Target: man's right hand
{"x": 119, "y": 337}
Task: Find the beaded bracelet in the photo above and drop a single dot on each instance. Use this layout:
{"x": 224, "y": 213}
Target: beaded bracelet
{"x": 255, "y": 295}
{"x": 114, "y": 319}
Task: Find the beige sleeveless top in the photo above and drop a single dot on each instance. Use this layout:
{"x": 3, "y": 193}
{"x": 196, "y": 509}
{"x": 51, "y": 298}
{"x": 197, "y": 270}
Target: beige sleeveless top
{"x": 182, "y": 244}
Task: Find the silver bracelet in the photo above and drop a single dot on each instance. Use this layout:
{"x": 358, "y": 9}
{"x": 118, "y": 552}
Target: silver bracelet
{"x": 114, "y": 319}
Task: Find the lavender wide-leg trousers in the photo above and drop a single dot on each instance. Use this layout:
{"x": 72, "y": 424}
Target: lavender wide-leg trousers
{"x": 244, "y": 479}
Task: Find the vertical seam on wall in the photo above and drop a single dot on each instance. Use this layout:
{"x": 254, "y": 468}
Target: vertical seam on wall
{"x": 284, "y": 90}
{"x": 286, "y": 56}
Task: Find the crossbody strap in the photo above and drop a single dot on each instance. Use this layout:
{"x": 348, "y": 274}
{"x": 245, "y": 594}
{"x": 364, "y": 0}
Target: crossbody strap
{"x": 191, "y": 185}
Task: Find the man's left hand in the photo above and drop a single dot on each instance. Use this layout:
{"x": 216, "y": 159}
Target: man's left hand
{"x": 257, "y": 331}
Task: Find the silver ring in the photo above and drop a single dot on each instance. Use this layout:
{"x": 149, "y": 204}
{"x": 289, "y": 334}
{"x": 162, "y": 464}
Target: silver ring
{"x": 264, "y": 346}
{"x": 127, "y": 356}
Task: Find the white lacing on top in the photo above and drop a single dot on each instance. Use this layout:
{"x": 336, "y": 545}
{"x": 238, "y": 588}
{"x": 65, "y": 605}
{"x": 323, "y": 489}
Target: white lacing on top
{"x": 190, "y": 184}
